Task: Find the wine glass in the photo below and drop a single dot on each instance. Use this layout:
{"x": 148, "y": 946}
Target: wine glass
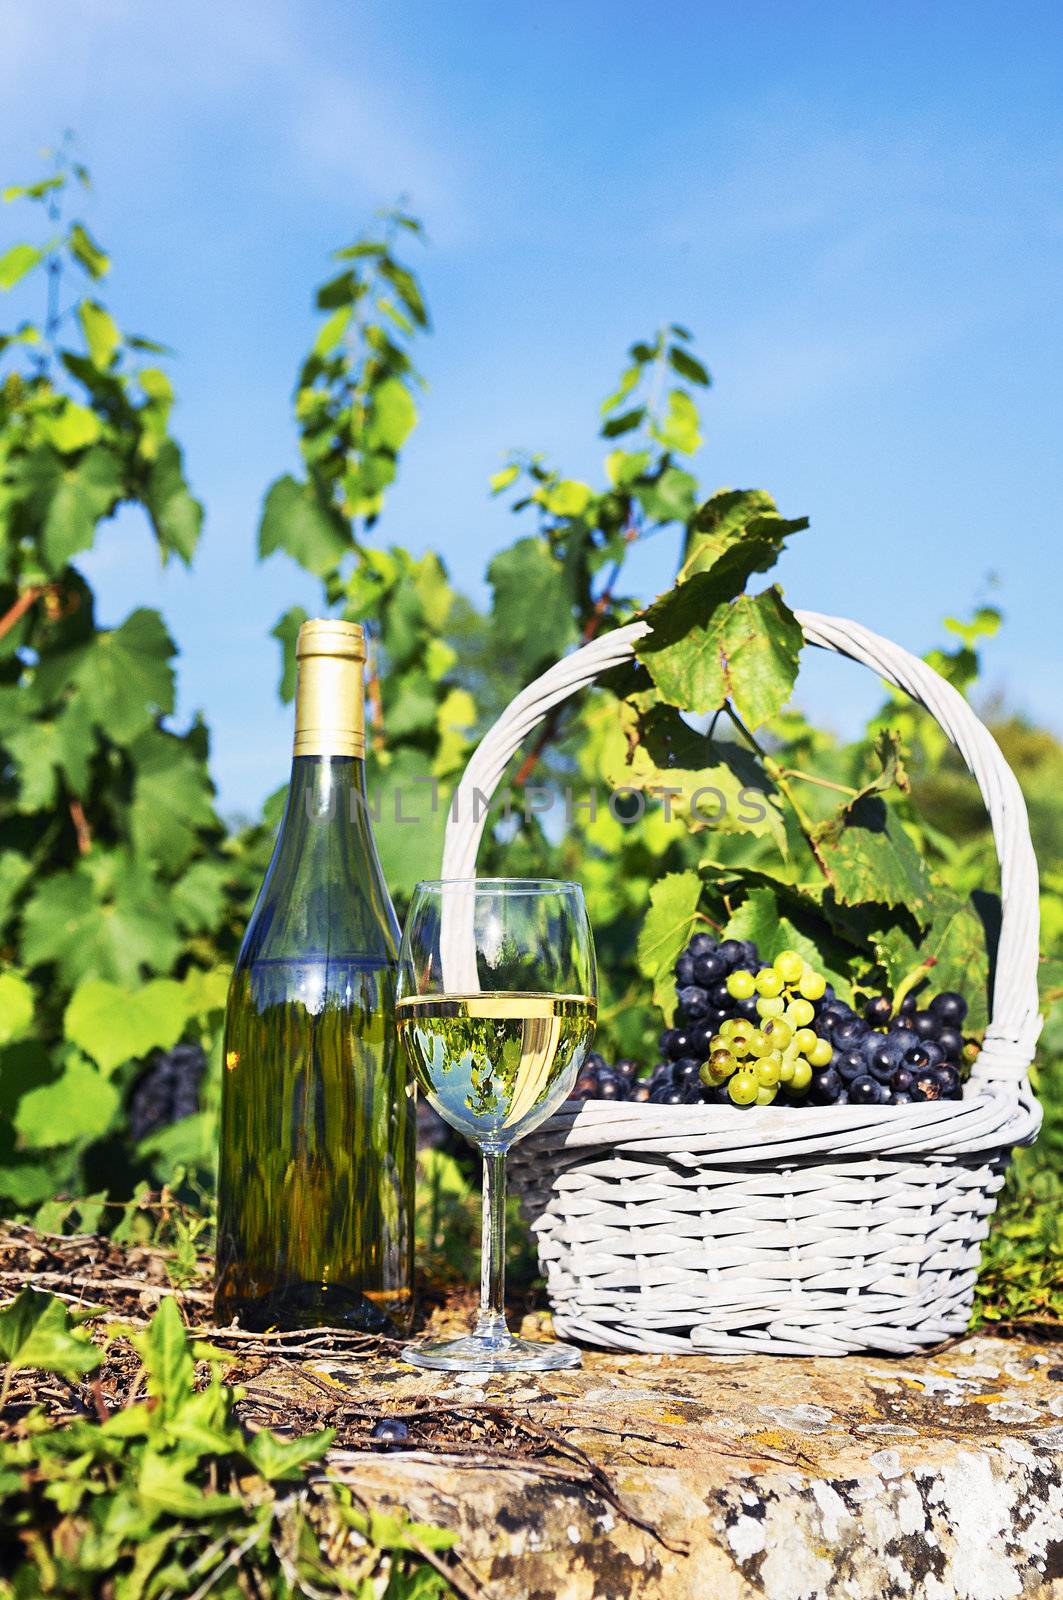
{"x": 497, "y": 1001}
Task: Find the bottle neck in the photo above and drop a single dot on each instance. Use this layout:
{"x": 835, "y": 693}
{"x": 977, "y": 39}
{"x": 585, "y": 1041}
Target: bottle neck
{"x": 330, "y": 707}
{"x": 327, "y": 790}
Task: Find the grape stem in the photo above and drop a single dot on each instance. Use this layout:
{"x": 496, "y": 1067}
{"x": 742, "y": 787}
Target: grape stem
{"x": 909, "y": 981}
{"x": 822, "y": 783}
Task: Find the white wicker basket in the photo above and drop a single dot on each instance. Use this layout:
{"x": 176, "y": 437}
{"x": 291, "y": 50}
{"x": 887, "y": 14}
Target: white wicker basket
{"x": 812, "y": 1231}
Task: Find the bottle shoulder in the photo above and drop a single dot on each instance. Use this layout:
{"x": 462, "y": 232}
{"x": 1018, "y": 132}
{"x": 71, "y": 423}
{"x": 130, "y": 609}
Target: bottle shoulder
{"x": 311, "y": 908}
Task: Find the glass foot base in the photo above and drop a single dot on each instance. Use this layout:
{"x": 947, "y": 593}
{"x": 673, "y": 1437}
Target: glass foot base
{"x": 476, "y": 1354}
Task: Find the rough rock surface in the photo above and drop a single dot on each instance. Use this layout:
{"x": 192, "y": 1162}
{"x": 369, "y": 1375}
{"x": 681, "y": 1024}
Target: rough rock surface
{"x": 735, "y": 1477}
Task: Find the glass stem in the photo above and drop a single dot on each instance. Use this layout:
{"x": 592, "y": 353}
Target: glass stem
{"x": 491, "y": 1322}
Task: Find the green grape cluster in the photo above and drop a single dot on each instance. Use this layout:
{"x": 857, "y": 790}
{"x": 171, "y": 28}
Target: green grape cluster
{"x": 753, "y": 1059}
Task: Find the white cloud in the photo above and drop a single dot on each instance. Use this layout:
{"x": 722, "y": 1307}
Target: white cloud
{"x": 326, "y": 127}
{"x": 345, "y": 132}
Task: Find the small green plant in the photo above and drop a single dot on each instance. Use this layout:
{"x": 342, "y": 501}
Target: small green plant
{"x": 168, "y": 1496}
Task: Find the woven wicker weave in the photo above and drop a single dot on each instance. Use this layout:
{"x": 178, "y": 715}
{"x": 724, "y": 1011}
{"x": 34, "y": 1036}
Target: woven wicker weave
{"x": 809, "y": 1230}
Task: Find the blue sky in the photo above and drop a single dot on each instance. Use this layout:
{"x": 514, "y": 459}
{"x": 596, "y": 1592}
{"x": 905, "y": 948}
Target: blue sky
{"x": 857, "y": 208}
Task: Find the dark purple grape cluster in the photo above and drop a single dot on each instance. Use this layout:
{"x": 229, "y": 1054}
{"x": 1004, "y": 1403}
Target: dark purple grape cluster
{"x": 599, "y": 1081}
{"x": 748, "y": 1032}
{"x": 887, "y": 1057}
{"x": 166, "y": 1090}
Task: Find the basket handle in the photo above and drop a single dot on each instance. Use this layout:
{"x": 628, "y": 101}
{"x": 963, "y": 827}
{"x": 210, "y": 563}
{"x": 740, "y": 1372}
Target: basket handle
{"x": 1015, "y": 1023}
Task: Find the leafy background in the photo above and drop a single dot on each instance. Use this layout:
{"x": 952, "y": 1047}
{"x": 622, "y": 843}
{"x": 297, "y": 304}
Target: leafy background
{"x": 123, "y": 893}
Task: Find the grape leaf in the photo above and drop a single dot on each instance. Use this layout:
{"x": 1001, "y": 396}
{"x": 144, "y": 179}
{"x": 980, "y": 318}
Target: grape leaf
{"x": 731, "y": 517}
{"x": 412, "y": 816}
{"x": 679, "y": 429}
{"x": 16, "y": 1006}
{"x": 16, "y": 262}
{"x": 107, "y": 926}
{"x": 532, "y": 618}
{"x": 295, "y": 521}
{"x": 206, "y": 992}
{"x": 101, "y": 333}
{"x": 624, "y": 466}
{"x": 866, "y": 855}
{"x": 626, "y": 422}
{"x": 14, "y": 871}
{"x": 455, "y": 720}
{"x": 503, "y": 478}
{"x": 707, "y": 648}
{"x": 42, "y": 747}
{"x": 172, "y": 798}
{"x": 71, "y": 428}
{"x": 125, "y": 677}
{"x": 410, "y": 705}
{"x": 81, "y": 1104}
{"x": 33, "y": 191}
{"x": 669, "y": 497}
{"x": 177, "y": 516}
{"x": 393, "y": 416}
{"x": 36, "y": 1330}
{"x": 333, "y": 328}
{"x": 87, "y": 253}
{"x": 286, "y": 632}
{"x": 70, "y": 498}
{"x": 32, "y": 749}
{"x": 653, "y": 750}
{"x": 113, "y": 1024}
{"x": 198, "y": 896}
{"x": 687, "y": 366}
{"x": 428, "y": 577}
{"x": 666, "y": 928}
{"x": 569, "y": 498}
{"x": 27, "y": 1183}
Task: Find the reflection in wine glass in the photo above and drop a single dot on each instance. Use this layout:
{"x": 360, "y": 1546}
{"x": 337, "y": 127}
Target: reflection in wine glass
{"x": 497, "y": 1006}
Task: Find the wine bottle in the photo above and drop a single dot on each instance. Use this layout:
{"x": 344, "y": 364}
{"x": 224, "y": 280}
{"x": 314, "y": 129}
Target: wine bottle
{"x": 316, "y": 1170}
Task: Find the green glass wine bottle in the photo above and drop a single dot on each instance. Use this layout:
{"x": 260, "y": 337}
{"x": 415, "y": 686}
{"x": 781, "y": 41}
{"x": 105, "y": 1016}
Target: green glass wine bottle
{"x": 316, "y": 1169}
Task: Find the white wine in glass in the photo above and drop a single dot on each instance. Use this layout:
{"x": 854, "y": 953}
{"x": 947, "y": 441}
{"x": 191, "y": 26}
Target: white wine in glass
{"x": 496, "y": 1008}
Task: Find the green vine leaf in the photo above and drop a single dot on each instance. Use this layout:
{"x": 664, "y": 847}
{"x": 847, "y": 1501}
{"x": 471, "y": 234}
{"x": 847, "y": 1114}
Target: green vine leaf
{"x": 732, "y": 517}
{"x": 707, "y": 648}
{"x": 866, "y": 855}
{"x": 666, "y": 928}
{"x": 176, "y": 515}
{"x": 87, "y": 253}
{"x": 16, "y": 262}
{"x": 108, "y": 924}
{"x": 286, "y": 631}
{"x": 113, "y": 1024}
{"x": 173, "y": 798}
{"x": 125, "y": 678}
{"x": 16, "y": 1006}
{"x": 101, "y": 333}
{"x": 532, "y": 617}
{"x": 295, "y": 521}
{"x": 81, "y": 1104}
{"x": 708, "y": 783}
{"x": 778, "y": 917}
{"x": 70, "y": 498}
{"x": 952, "y": 949}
